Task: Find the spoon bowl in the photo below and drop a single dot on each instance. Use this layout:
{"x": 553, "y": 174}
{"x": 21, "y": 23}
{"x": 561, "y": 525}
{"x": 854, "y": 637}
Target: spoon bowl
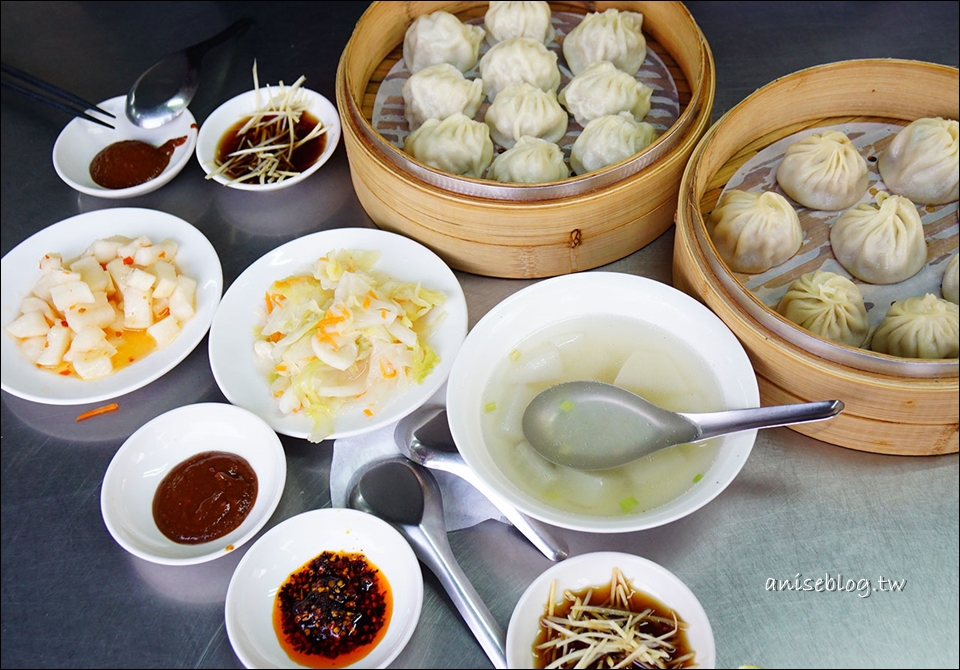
{"x": 160, "y": 94}
{"x": 591, "y": 425}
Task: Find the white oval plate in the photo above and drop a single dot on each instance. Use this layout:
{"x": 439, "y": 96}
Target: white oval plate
{"x": 580, "y": 572}
{"x": 81, "y": 140}
{"x": 145, "y": 458}
{"x": 229, "y": 113}
{"x": 232, "y": 337}
{"x": 196, "y": 258}
{"x": 289, "y": 546}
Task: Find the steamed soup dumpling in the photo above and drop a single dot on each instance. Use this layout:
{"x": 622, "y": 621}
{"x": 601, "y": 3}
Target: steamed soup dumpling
{"x": 522, "y": 110}
{"x": 602, "y": 89}
{"x": 530, "y": 161}
{"x": 949, "y": 284}
{"x": 439, "y": 91}
{"x": 754, "y": 232}
{"x": 921, "y": 163}
{"x": 919, "y": 327}
{"x": 612, "y": 35}
{"x": 505, "y": 20}
{"x": 519, "y": 60}
{"x": 456, "y": 144}
{"x": 440, "y": 37}
{"x": 828, "y": 305}
{"x": 823, "y": 171}
{"x": 882, "y": 243}
{"x": 609, "y": 139}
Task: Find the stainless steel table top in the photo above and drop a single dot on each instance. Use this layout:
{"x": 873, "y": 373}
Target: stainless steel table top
{"x": 800, "y": 508}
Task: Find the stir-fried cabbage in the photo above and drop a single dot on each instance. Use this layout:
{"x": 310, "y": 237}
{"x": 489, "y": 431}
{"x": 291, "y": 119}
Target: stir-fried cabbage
{"x": 345, "y": 337}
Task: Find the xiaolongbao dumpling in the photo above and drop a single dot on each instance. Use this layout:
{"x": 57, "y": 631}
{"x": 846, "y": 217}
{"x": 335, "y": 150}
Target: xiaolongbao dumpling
{"x": 439, "y": 91}
{"x": 828, "y": 305}
{"x": 921, "y": 163}
{"x": 882, "y": 243}
{"x": 754, "y": 232}
{"x": 519, "y": 60}
{"x": 522, "y": 110}
{"x": 927, "y": 327}
{"x": 456, "y": 144}
{"x": 504, "y": 20}
{"x": 601, "y": 89}
{"x": 823, "y": 171}
{"x": 611, "y": 35}
{"x": 530, "y": 161}
{"x": 609, "y": 139}
{"x": 949, "y": 284}
{"x": 440, "y": 37}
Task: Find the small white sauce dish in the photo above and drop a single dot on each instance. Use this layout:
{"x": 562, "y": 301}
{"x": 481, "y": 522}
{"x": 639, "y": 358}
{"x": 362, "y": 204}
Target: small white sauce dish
{"x": 141, "y": 463}
{"x": 289, "y": 546}
{"x": 224, "y": 117}
{"x": 81, "y": 140}
{"x": 596, "y": 569}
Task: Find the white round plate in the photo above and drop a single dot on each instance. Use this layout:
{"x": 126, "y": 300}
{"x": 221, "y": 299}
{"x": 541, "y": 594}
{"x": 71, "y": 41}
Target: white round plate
{"x": 595, "y": 569}
{"x": 229, "y": 113}
{"x": 81, "y": 140}
{"x": 232, "y": 331}
{"x": 141, "y": 463}
{"x": 290, "y": 545}
{"x": 196, "y": 258}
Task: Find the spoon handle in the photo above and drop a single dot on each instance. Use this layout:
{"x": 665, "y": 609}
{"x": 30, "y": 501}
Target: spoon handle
{"x": 236, "y": 28}
{"x": 433, "y": 549}
{"x": 712, "y": 424}
{"x": 539, "y": 534}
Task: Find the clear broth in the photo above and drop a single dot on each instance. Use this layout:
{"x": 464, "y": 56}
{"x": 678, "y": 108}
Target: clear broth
{"x": 628, "y": 352}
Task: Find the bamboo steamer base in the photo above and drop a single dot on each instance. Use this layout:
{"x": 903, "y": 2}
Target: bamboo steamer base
{"x": 884, "y": 413}
{"x": 579, "y": 225}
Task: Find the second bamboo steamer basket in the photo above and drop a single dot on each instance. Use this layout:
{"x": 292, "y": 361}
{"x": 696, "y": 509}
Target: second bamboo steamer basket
{"x": 893, "y": 406}
{"x": 522, "y": 231}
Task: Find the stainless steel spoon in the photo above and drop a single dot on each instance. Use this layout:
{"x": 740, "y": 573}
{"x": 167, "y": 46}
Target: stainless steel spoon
{"x": 424, "y": 437}
{"x": 407, "y": 496}
{"x": 161, "y": 93}
{"x": 591, "y": 425}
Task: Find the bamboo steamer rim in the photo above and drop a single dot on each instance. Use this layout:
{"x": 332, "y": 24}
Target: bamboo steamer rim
{"x": 722, "y": 142}
{"x": 691, "y": 119}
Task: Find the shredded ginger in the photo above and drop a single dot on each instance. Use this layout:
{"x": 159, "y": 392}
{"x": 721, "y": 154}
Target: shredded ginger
{"x": 609, "y": 634}
{"x": 345, "y": 338}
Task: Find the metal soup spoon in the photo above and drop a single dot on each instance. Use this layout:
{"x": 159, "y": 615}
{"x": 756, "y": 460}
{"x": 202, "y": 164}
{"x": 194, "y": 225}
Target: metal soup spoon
{"x": 408, "y": 497}
{"x": 424, "y": 437}
{"x": 161, "y": 93}
{"x": 591, "y": 425}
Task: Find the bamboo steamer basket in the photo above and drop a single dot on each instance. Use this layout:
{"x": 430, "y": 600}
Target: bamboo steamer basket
{"x": 893, "y": 405}
{"x": 519, "y": 230}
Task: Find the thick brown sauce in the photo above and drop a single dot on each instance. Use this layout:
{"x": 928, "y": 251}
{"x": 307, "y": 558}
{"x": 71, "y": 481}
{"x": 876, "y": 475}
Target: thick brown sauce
{"x": 131, "y": 162}
{"x": 205, "y": 497}
{"x": 333, "y": 611}
{"x": 299, "y": 160}
{"x": 638, "y": 602}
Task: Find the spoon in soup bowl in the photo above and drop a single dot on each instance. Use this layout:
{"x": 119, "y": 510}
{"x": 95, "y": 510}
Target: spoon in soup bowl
{"x": 591, "y": 425}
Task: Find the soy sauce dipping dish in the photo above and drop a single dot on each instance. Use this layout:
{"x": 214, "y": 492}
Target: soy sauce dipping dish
{"x": 227, "y": 115}
{"x": 81, "y": 140}
{"x": 287, "y": 547}
{"x": 596, "y": 570}
{"x": 147, "y": 456}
